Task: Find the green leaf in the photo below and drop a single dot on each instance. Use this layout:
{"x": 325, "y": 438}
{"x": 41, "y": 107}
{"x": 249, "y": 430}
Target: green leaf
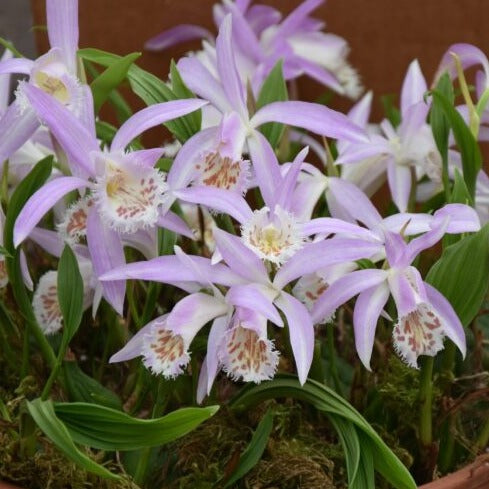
{"x": 390, "y": 110}
{"x": 32, "y": 182}
{"x": 460, "y": 193}
{"x": 254, "y": 451}
{"x": 43, "y": 414}
{"x": 147, "y": 86}
{"x": 328, "y": 401}
{"x": 469, "y": 149}
{"x": 83, "y": 388}
{"x": 462, "y": 274}
{"x": 4, "y": 252}
{"x": 440, "y": 125}
{"x": 274, "y": 89}
{"x": 108, "y": 429}
{"x": 110, "y": 79}
{"x": 70, "y": 293}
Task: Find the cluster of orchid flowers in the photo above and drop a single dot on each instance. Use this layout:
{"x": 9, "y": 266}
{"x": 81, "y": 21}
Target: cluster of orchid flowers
{"x": 279, "y": 262}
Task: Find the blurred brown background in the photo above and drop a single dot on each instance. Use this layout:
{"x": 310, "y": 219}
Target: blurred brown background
{"x": 385, "y": 35}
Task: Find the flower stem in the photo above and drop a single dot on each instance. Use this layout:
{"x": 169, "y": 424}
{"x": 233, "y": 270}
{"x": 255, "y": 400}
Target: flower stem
{"x": 426, "y": 402}
{"x": 333, "y": 369}
{"x": 483, "y": 438}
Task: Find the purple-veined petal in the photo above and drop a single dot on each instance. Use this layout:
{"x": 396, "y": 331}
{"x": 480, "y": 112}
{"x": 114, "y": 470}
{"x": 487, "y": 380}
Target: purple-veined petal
{"x": 218, "y": 199}
{"x": 413, "y": 120}
{"x": 451, "y": 323}
{"x": 298, "y": 15}
{"x": 16, "y": 127}
{"x": 463, "y": 219}
{"x": 313, "y": 117}
{"x": 395, "y": 249}
{"x": 87, "y": 110}
{"x": 144, "y": 240}
{"x": 289, "y": 184}
{"x": 407, "y": 290}
{"x": 152, "y": 116}
{"x": 317, "y": 73}
{"x": 183, "y": 170}
{"x": 331, "y": 225}
{"x": 169, "y": 269}
{"x": 199, "y": 79}
{"x": 301, "y": 333}
{"x": 133, "y": 348}
{"x": 399, "y": 178}
{"x": 48, "y": 240}
{"x": 469, "y": 56}
{"x": 368, "y": 307}
{"x": 71, "y": 134}
{"x": 413, "y": 87}
{"x": 262, "y": 16}
{"x": 176, "y": 224}
{"x": 62, "y": 20}
{"x": 343, "y": 289}
{"x": 417, "y": 245}
{"x": 204, "y": 377}
{"x": 194, "y": 311}
{"x": 357, "y": 153}
{"x": 16, "y": 65}
{"x": 176, "y": 35}
{"x": 410, "y": 223}
{"x": 265, "y": 165}
{"x": 226, "y": 66}
{"x": 314, "y": 256}
{"x": 107, "y": 253}
{"x": 240, "y": 258}
{"x": 41, "y": 202}
{"x": 147, "y": 157}
{"x": 5, "y": 82}
{"x": 360, "y": 112}
{"x": 251, "y": 297}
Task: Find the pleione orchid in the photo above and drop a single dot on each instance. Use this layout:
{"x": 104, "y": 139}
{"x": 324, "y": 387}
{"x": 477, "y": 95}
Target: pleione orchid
{"x": 268, "y": 254}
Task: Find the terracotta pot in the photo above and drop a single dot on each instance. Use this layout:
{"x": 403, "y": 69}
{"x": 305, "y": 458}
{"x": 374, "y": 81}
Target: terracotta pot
{"x": 5, "y": 485}
{"x": 474, "y": 476}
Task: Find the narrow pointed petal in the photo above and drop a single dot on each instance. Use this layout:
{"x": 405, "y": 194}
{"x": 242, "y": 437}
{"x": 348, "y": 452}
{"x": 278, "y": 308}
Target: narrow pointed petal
{"x": 107, "y": 253}
{"x": 147, "y": 157}
{"x": 298, "y": 15}
{"x": 16, "y": 65}
{"x": 399, "y": 178}
{"x": 469, "y": 56}
{"x": 314, "y": 256}
{"x": 301, "y": 332}
{"x": 409, "y": 222}
{"x": 414, "y": 119}
{"x": 226, "y": 66}
{"x": 48, "y": 240}
{"x": 266, "y": 168}
{"x": 176, "y": 224}
{"x": 169, "y": 269}
{"x": 360, "y": 112}
{"x": 289, "y": 184}
{"x": 218, "y": 199}
{"x": 368, "y": 308}
{"x": 427, "y": 240}
{"x": 16, "y": 127}
{"x": 251, "y": 297}
{"x": 343, "y": 289}
{"x": 194, "y": 311}
{"x": 463, "y": 219}
{"x": 240, "y": 258}
{"x": 359, "y": 153}
{"x": 413, "y": 88}
{"x": 87, "y": 110}
{"x": 176, "y": 35}
{"x": 71, "y": 134}
{"x": 313, "y": 117}
{"x": 133, "y": 348}
{"x": 199, "y": 79}
{"x": 451, "y": 323}
{"x": 41, "y": 202}
{"x": 62, "y": 20}
{"x": 152, "y": 116}
{"x": 26, "y": 276}
{"x": 331, "y": 225}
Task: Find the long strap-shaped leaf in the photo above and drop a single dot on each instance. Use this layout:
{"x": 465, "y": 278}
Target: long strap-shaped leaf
{"x": 109, "y": 429}
{"x": 329, "y": 402}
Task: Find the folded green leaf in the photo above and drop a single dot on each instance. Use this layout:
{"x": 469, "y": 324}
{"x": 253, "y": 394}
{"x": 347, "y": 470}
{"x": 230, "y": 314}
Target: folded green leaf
{"x": 101, "y": 427}
{"x": 328, "y": 401}
{"x": 83, "y": 388}
{"x": 70, "y": 293}
{"x": 274, "y": 89}
{"x": 462, "y": 274}
{"x": 254, "y": 451}
{"x": 110, "y": 79}
{"x": 469, "y": 149}
{"x": 43, "y": 414}
{"x": 147, "y": 86}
